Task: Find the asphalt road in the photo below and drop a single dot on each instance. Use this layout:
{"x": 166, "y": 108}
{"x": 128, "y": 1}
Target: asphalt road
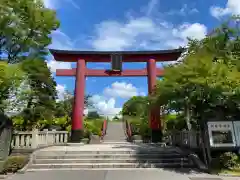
{"x": 111, "y": 175}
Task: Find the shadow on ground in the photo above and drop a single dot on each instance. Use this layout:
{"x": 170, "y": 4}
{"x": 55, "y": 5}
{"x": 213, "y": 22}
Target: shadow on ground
{"x": 167, "y": 158}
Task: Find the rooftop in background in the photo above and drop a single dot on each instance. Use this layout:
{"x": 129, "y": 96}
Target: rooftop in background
{"x": 127, "y": 56}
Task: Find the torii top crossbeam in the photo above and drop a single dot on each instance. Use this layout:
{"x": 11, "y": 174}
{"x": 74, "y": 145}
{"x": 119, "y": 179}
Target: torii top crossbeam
{"x": 127, "y": 56}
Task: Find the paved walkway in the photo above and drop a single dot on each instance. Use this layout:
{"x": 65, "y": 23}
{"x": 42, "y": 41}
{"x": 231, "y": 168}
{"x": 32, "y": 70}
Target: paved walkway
{"x": 144, "y": 174}
{"x": 115, "y": 132}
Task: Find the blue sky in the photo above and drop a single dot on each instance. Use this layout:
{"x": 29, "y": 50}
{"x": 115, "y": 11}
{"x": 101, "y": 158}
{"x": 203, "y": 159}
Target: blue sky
{"x": 128, "y": 25}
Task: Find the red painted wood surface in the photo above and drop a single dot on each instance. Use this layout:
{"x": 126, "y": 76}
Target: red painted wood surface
{"x": 104, "y": 73}
{"x": 126, "y": 58}
{"x": 154, "y": 120}
{"x": 78, "y": 108}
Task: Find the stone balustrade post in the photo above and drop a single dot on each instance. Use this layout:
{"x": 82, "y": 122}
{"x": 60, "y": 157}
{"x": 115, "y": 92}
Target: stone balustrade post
{"x": 35, "y": 139}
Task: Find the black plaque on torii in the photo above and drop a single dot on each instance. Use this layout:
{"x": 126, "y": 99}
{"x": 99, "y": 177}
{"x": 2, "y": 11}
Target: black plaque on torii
{"x": 116, "y": 62}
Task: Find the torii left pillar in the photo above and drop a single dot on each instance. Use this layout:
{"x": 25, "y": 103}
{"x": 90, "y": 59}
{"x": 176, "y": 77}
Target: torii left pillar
{"x": 78, "y": 107}
{"x": 154, "y": 116}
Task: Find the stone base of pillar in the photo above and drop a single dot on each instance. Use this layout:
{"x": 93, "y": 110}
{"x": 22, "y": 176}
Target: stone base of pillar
{"x": 156, "y": 135}
{"x": 76, "y": 136}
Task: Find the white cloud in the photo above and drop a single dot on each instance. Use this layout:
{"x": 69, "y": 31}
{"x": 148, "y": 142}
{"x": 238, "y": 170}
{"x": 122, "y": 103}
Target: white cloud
{"x": 105, "y": 106}
{"x": 53, "y": 65}
{"x": 185, "y": 10}
{"x": 59, "y": 41}
{"x": 232, "y": 7}
{"x": 218, "y": 12}
{"x": 61, "y": 91}
{"x": 56, "y": 4}
{"x": 122, "y": 90}
{"x": 196, "y": 30}
{"x": 144, "y": 33}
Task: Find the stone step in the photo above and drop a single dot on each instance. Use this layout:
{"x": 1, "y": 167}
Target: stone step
{"x": 115, "y": 142}
{"x": 109, "y": 165}
{"x": 115, "y": 132}
{"x": 106, "y": 160}
{"x": 101, "y": 156}
{"x": 108, "y": 152}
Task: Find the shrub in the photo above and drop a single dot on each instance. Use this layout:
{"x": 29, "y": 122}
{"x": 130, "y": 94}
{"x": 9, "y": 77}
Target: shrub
{"x": 145, "y": 131}
{"x": 140, "y": 127}
{"x": 86, "y": 134}
{"x": 94, "y": 126}
{"x": 228, "y": 160}
{"x": 18, "y": 123}
{"x": 14, "y": 163}
{"x": 136, "y": 127}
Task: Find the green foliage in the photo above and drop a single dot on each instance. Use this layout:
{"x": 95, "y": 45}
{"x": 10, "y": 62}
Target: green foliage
{"x": 24, "y": 37}
{"x": 63, "y": 122}
{"x": 175, "y": 122}
{"x": 229, "y": 160}
{"x": 11, "y": 77}
{"x": 25, "y": 26}
{"x": 18, "y": 123}
{"x": 14, "y": 163}
{"x": 64, "y": 107}
{"x": 140, "y": 126}
{"x": 40, "y": 93}
{"x": 94, "y": 126}
{"x": 91, "y": 126}
{"x": 207, "y": 81}
{"x": 135, "y": 106}
{"x": 135, "y": 111}
{"x": 93, "y": 115}
{"x": 41, "y": 83}
{"x": 115, "y": 118}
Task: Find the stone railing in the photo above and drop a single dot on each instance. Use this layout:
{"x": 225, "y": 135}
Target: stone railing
{"x": 34, "y": 139}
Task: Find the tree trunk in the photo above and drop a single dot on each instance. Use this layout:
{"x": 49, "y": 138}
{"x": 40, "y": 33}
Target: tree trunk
{"x": 188, "y": 116}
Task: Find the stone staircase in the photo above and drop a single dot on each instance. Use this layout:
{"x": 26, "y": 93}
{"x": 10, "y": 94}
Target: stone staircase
{"x": 108, "y": 156}
{"x": 113, "y": 153}
{"x": 115, "y": 132}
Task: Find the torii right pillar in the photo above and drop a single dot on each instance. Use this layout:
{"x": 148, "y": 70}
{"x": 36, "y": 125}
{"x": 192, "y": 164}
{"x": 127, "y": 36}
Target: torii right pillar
{"x": 154, "y": 117}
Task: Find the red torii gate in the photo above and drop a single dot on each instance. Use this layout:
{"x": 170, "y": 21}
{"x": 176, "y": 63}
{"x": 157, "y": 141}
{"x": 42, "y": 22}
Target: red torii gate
{"x": 81, "y": 72}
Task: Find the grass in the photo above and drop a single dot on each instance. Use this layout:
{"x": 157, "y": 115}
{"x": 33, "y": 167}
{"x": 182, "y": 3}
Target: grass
{"x": 14, "y": 163}
{"x": 235, "y": 172}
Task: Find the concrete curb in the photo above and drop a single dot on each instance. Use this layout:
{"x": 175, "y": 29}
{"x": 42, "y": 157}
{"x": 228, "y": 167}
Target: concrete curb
{"x": 3, "y": 176}
{"x": 6, "y": 175}
{"x": 24, "y": 169}
{"x": 97, "y": 169}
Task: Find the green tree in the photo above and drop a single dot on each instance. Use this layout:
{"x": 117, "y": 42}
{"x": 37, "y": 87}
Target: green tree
{"x": 207, "y": 81}
{"x": 93, "y": 115}
{"x": 25, "y": 26}
{"x": 40, "y": 96}
{"x": 135, "y": 106}
{"x": 115, "y": 118}
{"x": 64, "y": 107}
{"x": 135, "y": 111}
{"x": 11, "y": 77}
